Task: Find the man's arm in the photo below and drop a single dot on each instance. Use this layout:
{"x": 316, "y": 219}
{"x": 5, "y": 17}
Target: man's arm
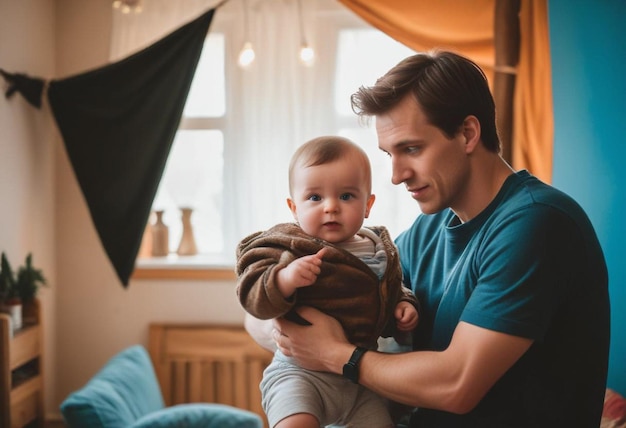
{"x": 260, "y": 331}
{"x": 454, "y": 380}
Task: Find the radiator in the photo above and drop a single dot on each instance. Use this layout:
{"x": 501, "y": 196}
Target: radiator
{"x": 208, "y": 363}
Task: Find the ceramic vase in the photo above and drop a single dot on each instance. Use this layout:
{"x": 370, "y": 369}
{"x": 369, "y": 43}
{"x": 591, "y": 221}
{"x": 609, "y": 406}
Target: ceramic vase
{"x": 187, "y": 246}
{"x": 14, "y": 309}
{"x": 160, "y": 236}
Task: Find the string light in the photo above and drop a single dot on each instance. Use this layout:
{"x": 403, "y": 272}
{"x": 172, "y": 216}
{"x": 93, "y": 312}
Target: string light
{"x": 307, "y": 54}
{"x": 127, "y": 6}
{"x": 247, "y": 55}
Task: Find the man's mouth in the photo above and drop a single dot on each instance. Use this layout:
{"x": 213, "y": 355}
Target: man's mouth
{"x": 417, "y": 191}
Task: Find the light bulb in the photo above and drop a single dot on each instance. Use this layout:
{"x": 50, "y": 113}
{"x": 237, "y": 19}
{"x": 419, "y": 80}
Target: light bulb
{"x": 128, "y": 6}
{"x": 246, "y": 56}
{"x": 307, "y": 55}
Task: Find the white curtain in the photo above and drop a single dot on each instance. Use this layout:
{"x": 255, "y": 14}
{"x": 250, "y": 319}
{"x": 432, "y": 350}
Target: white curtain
{"x": 272, "y": 107}
{"x": 282, "y": 109}
{"x": 134, "y": 31}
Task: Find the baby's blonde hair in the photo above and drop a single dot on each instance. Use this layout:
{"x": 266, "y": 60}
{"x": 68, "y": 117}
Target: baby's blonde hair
{"x": 327, "y": 149}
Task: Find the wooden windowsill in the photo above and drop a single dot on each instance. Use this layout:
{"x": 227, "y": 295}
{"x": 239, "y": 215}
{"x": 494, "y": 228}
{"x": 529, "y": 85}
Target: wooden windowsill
{"x": 198, "y": 267}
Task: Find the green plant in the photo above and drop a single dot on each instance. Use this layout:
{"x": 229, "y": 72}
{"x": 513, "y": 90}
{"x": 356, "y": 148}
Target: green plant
{"x": 28, "y": 280}
{"x": 8, "y": 284}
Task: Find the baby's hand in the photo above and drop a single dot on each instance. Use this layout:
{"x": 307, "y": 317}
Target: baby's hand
{"x": 301, "y": 272}
{"x": 406, "y": 316}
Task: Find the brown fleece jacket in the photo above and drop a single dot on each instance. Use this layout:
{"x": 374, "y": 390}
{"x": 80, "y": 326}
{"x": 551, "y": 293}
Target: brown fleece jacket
{"x": 347, "y": 289}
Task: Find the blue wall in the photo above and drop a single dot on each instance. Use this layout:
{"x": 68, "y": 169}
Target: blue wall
{"x": 588, "y": 50}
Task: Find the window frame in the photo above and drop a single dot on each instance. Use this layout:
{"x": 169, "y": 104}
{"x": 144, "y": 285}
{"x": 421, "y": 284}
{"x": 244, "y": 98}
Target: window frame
{"x": 207, "y": 267}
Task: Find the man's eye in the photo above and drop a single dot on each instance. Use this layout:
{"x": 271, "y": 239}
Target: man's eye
{"x": 412, "y": 149}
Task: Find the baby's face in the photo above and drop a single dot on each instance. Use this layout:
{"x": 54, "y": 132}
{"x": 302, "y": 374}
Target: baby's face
{"x": 331, "y": 201}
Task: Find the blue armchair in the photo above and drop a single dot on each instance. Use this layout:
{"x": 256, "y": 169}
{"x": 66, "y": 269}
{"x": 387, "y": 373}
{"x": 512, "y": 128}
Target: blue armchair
{"x": 125, "y": 393}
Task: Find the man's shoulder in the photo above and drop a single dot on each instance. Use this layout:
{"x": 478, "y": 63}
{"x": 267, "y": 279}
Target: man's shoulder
{"x": 540, "y": 192}
{"x": 533, "y": 195}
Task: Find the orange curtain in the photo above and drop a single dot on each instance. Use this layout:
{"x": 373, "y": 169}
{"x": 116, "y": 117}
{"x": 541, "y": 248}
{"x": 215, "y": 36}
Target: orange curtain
{"x": 468, "y": 28}
{"x": 533, "y": 119}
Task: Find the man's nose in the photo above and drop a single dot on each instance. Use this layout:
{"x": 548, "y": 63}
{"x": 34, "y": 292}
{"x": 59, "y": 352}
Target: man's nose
{"x": 399, "y": 172}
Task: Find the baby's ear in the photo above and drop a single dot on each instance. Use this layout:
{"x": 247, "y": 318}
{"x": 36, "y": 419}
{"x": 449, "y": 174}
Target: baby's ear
{"x": 368, "y": 206}
{"x": 292, "y": 206}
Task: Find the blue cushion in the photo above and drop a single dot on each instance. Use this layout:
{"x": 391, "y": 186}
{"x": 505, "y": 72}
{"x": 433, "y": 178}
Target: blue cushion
{"x": 200, "y": 416}
{"x": 124, "y": 390}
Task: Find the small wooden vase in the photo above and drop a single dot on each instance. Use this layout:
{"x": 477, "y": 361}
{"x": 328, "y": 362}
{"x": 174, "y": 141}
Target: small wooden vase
{"x": 160, "y": 236}
{"x": 187, "y": 246}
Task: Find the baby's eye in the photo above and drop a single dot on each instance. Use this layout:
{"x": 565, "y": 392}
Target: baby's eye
{"x": 346, "y": 196}
{"x": 315, "y": 198}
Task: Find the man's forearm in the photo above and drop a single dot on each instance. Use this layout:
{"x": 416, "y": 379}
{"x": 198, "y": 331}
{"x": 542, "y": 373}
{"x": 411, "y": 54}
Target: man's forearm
{"x": 260, "y": 331}
{"x": 454, "y": 380}
{"x": 414, "y": 378}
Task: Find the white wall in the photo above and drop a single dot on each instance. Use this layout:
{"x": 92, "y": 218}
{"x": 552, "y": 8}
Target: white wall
{"x": 96, "y": 317}
{"x": 27, "y": 139}
{"x": 89, "y": 316}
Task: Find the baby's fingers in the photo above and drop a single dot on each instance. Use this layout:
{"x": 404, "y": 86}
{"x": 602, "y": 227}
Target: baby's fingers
{"x": 321, "y": 253}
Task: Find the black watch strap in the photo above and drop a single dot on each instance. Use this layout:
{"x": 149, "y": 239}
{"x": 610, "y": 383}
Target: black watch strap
{"x": 351, "y": 368}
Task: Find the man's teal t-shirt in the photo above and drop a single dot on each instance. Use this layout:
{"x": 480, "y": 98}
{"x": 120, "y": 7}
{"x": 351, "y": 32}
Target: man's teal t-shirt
{"x": 529, "y": 265}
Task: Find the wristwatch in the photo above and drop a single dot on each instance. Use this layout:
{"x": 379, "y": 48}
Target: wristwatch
{"x": 351, "y": 368}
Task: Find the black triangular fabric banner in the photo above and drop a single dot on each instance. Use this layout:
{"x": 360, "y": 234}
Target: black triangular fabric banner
{"x": 31, "y": 88}
{"x": 118, "y": 123}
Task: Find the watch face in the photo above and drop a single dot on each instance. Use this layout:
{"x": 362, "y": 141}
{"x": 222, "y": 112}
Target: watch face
{"x": 351, "y": 372}
{"x": 351, "y": 368}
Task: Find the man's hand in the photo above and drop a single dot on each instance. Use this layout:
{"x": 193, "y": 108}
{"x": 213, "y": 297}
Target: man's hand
{"x": 321, "y": 346}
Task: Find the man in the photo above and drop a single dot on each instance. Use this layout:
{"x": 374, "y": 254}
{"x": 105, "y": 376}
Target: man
{"x": 512, "y": 282}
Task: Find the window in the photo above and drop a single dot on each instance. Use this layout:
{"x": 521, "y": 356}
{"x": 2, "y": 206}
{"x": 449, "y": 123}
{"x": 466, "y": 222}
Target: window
{"x": 193, "y": 175}
{"x": 230, "y": 157}
{"x": 363, "y": 55}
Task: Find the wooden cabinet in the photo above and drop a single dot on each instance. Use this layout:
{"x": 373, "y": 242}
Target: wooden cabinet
{"x": 21, "y": 374}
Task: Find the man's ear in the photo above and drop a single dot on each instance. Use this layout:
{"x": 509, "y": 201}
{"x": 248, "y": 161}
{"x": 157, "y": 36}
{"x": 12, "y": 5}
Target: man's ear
{"x": 471, "y": 132}
{"x": 292, "y": 206}
{"x": 368, "y": 206}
